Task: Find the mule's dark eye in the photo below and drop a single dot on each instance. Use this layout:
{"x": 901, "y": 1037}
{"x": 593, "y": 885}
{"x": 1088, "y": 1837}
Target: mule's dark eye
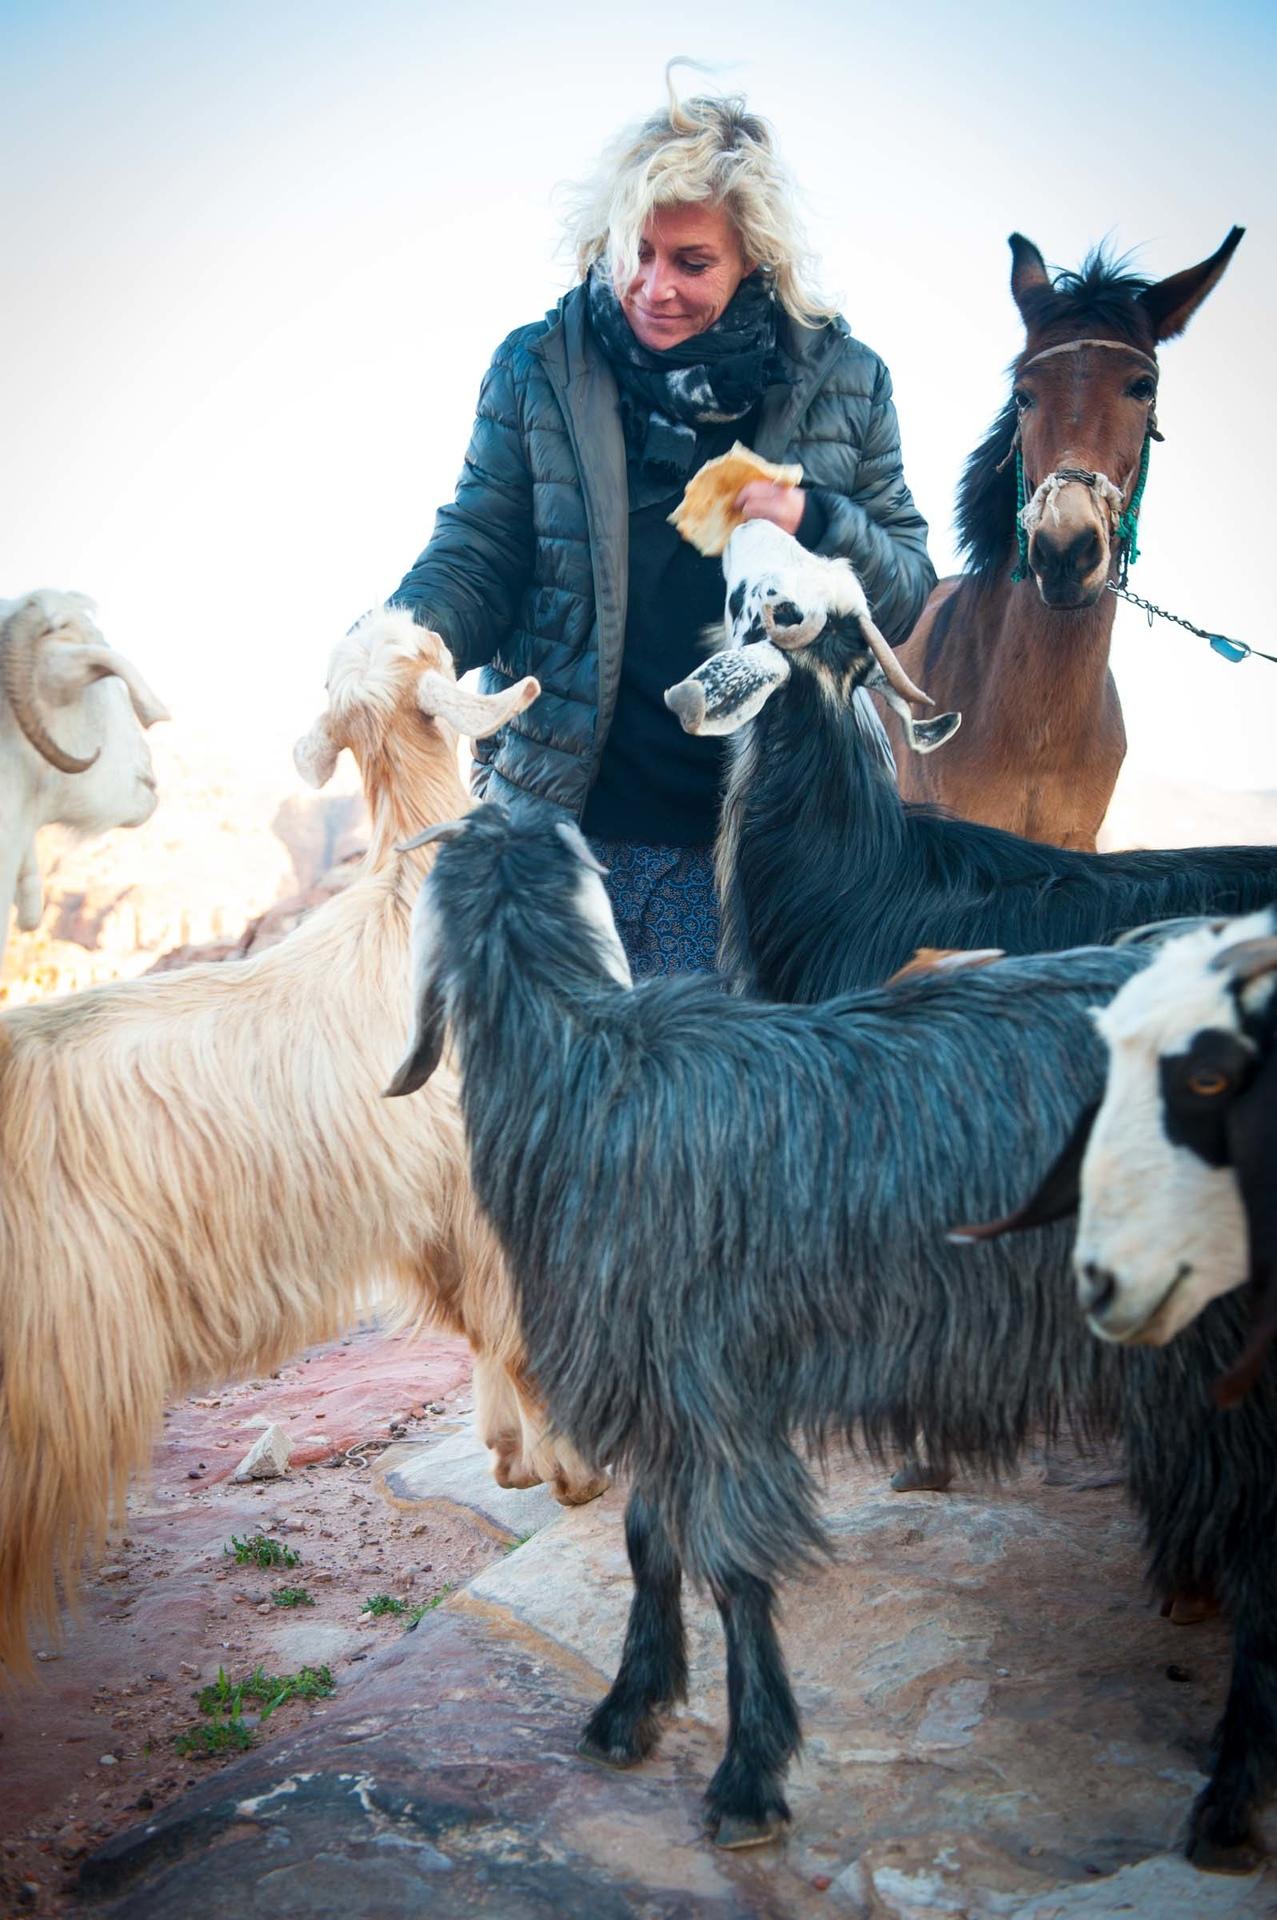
{"x": 1207, "y": 1084}
{"x": 1023, "y": 400}
{"x": 1143, "y": 388}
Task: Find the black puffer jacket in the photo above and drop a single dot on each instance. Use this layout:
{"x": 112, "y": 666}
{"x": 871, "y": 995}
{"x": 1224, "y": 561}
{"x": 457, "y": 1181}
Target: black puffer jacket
{"x": 526, "y": 570}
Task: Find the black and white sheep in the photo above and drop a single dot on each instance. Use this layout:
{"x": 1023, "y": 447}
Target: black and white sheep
{"x": 724, "y": 1226}
{"x": 828, "y": 881}
{"x": 1173, "y": 1175}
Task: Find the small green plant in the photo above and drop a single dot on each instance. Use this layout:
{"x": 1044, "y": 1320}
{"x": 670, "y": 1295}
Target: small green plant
{"x": 261, "y": 1551}
{"x": 379, "y": 1603}
{"x": 520, "y": 1540}
{"x": 292, "y": 1597}
{"x": 204, "y": 1742}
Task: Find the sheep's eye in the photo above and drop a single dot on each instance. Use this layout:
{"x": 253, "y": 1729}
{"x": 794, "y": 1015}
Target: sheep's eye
{"x": 1143, "y": 388}
{"x": 1207, "y": 1085}
{"x": 1023, "y": 400}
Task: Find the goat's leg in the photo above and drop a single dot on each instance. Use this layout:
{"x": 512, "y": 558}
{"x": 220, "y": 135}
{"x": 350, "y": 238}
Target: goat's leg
{"x": 625, "y": 1726}
{"x": 29, "y": 892}
{"x": 745, "y": 1803}
{"x": 1220, "y": 1837}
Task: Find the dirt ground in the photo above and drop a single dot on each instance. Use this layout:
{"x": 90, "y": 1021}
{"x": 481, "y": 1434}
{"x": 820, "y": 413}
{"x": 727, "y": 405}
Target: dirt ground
{"x": 91, "y": 1741}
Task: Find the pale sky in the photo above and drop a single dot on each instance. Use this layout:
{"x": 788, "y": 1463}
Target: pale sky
{"x": 258, "y": 258}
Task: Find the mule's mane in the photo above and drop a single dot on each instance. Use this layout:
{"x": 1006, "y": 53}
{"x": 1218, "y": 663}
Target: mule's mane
{"x": 1101, "y": 297}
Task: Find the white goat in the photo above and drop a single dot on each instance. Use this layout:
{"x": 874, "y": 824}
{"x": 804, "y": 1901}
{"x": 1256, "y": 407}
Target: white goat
{"x": 72, "y": 714}
{"x": 197, "y": 1169}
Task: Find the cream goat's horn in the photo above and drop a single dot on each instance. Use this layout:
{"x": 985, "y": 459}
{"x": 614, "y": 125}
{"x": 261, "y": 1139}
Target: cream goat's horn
{"x": 21, "y": 638}
{"x": 443, "y": 830}
{"x": 893, "y": 672}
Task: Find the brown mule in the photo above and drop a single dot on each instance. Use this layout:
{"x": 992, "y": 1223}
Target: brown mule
{"x": 1025, "y": 659}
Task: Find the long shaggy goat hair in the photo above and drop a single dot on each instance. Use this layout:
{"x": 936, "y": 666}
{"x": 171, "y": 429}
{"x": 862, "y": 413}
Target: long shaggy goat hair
{"x": 725, "y": 1222}
{"x": 197, "y": 1173}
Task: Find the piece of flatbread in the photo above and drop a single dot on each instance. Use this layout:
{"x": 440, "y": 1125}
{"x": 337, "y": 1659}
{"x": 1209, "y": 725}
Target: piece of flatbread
{"x": 706, "y": 515}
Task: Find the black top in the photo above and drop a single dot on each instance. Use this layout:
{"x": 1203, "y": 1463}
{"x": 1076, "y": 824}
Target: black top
{"x": 657, "y": 784}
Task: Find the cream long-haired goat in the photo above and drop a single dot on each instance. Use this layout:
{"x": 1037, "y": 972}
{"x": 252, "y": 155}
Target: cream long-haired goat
{"x": 198, "y": 1171}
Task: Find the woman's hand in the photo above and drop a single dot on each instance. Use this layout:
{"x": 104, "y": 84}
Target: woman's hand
{"x": 764, "y": 500}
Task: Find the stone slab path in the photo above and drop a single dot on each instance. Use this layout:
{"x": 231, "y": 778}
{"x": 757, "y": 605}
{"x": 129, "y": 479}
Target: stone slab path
{"x": 998, "y": 1724}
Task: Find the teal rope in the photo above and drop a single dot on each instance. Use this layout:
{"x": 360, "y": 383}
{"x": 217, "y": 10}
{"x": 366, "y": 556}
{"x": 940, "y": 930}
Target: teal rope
{"x": 1128, "y": 520}
{"x": 1021, "y": 570}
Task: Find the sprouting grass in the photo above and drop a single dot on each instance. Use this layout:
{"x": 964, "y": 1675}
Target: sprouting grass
{"x": 378, "y": 1603}
{"x": 261, "y": 1551}
{"x": 428, "y": 1606}
{"x": 223, "y": 1703}
{"x": 520, "y": 1540}
{"x": 292, "y": 1597}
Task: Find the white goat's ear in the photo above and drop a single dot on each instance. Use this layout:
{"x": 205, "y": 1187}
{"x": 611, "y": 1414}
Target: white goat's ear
{"x": 474, "y": 714}
{"x": 572, "y": 836}
{"x": 315, "y": 755}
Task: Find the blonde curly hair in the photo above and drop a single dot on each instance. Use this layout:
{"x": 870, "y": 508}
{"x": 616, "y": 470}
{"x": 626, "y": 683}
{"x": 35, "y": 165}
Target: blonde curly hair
{"x": 702, "y": 149}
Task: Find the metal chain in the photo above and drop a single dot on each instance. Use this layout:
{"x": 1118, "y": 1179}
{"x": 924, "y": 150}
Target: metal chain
{"x": 1232, "y": 650}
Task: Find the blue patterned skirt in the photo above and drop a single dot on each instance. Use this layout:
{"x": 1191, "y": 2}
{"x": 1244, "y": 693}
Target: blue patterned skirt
{"x": 664, "y": 903}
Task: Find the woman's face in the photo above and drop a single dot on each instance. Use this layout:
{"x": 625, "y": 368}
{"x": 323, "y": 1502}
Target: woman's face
{"x": 690, "y": 264}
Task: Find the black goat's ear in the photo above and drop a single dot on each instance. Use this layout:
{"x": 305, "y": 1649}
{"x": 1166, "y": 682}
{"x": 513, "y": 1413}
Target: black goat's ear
{"x": 572, "y": 836}
{"x": 1056, "y": 1199}
{"x": 426, "y": 1050}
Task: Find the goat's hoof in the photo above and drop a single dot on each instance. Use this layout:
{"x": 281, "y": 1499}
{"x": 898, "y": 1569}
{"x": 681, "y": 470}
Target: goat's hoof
{"x": 1189, "y": 1609}
{"x": 578, "y": 1493}
{"x": 1209, "y": 1857}
{"x": 733, "y": 1831}
{"x": 619, "y": 1758}
{"x": 1219, "y": 1837}
{"x": 921, "y": 1476}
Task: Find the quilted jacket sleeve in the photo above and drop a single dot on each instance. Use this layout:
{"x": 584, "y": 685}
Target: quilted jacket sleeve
{"x": 468, "y": 583}
{"x": 877, "y": 526}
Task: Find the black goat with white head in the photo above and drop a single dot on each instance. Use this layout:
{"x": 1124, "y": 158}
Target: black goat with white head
{"x": 1173, "y": 1175}
{"x": 828, "y": 881}
{"x": 723, "y": 1222}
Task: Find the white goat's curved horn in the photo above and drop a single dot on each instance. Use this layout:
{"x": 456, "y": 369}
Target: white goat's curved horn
{"x": 442, "y": 830}
{"x": 21, "y": 637}
{"x": 1248, "y": 959}
{"x": 894, "y": 674}
{"x": 103, "y": 663}
{"x": 474, "y": 714}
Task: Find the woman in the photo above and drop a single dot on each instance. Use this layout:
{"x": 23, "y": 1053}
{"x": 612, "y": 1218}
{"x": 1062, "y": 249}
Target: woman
{"x": 693, "y": 326}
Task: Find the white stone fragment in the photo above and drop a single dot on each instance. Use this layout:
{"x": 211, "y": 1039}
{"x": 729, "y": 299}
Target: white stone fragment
{"x": 267, "y": 1458}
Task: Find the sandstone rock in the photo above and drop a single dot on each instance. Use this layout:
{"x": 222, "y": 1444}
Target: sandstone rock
{"x": 267, "y": 1458}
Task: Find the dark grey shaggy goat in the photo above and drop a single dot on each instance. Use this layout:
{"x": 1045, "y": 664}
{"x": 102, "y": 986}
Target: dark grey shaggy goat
{"x": 828, "y": 881}
{"x": 725, "y": 1226}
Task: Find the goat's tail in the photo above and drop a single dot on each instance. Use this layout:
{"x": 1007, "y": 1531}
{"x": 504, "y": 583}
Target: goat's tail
{"x": 758, "y": 1515}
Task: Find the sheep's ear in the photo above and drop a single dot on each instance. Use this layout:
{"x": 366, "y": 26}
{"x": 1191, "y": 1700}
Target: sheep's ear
{"x": 572, "y": 836}
{"x": 1056, "y": 1199}
{"x": 315, "y": 755}
{"x": 426, "y": 1050}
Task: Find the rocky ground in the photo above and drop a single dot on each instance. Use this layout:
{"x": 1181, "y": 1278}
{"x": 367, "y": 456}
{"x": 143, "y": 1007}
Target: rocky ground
{"x": 90, "y": 1744}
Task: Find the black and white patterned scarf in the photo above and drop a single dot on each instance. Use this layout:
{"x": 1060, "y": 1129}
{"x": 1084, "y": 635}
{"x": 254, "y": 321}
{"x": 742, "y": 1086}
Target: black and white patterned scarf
{"x": 714, "y": 377}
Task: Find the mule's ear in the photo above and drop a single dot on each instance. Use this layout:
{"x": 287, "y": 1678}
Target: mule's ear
{"x": 1173, "y": 302}
{"x": 315, "y": 755}
{"x": 1056, "y": 1199}
{"x": 1028, "y": 271}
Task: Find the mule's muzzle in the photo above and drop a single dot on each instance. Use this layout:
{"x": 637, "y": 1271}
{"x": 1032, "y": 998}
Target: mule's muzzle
{"x": 1070, "y": 567}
